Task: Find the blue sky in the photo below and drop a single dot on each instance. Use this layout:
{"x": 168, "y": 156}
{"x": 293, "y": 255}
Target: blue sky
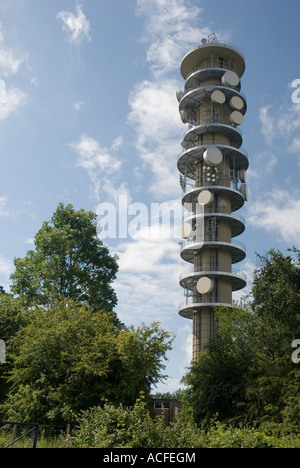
{"x": 91, "y": 117}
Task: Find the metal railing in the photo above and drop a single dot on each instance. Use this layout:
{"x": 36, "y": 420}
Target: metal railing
{"x": 211, "y": 142}
{"x": 213, "y": 212}
{"x": 190, "y": 300}
{"x": 34, "y": 430}
{"x": 217, "y": 183}
{"x": 211, "y": 267}
{"x": 189, "y": 242}
{"x": 215, "y": 85}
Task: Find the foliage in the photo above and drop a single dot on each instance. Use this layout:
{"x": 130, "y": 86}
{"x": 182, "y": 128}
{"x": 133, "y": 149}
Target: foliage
{"x": 176, "y": 395}
{"x": 11, "y": 321}
{"x": 116, "y": 427}
{"x": 67, "y": 359}
{"x": 119, "y": 427}
{"x": 247, "y": 376}
{"x": 142, "y": 352}
{"x": 276, "y": 290}
{"x": 11, "y": 316}
{"x": 69, "y": 262}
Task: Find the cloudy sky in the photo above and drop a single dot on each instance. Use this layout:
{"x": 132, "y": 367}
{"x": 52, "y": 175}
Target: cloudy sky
{"x": 89, "y": 116}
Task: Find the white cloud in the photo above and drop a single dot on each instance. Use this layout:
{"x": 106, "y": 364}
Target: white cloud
{"x": 267, "y": 123}
{"x": 171, "y": 30}
{"x": 94, "y": 157}
{"x": 281, "y": 121}
{"x": 10, "y": 59}
{"x": 155, "y": 117}
{"x": 278, "y": 214}
{"x": 11, "y": 98}
{"x": 3, "y": 209}
{"x": 149, "y": 271}
{"x": 29, "y": 240}
{"x": 99, "y": 162}
{"x": 154, "y": 111}
{"x": 262, "y": 164}
{"x": 14, "y": 100}
{"x": 76, "y": 25}
{"x": 78, "y": 105}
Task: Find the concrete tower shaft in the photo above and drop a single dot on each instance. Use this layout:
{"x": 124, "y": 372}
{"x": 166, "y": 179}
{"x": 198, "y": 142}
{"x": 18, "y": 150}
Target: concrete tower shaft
{"x": 212, "y": 169}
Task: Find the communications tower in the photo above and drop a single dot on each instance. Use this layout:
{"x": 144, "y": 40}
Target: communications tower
{"x": 212, "y": 169}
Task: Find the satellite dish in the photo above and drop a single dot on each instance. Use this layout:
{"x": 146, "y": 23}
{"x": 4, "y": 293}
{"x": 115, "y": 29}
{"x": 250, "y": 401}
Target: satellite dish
{"x": 204, "y": 285}
{"x": 184, "y": 116}
{"x": 179, "y": 95}
{"x": 205, "y": 198}
{"x": 213, "y": 156}
{"x": 230, "y": 78}
{"x": 185, "y": 230}
{"x": 204, "y": 41}
{"x": 242, "y": 175}
{"x": 237, "y": 118}
{"x": 236, "y": 103}
{"x": 218, "y": 97}
{"x": 244, "y": 191}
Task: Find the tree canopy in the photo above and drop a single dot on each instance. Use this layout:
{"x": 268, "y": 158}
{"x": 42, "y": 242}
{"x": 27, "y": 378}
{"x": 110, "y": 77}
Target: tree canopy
{"x": 69, "y": 262}
{"x": 68, "y": 359}
{"x": 248, "y": 376}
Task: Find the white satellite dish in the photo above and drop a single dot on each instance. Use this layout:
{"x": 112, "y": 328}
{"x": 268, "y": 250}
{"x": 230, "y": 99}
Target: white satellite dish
{"x": 244, "y": 191}
{"x": 186, "y": 230}
{"x": 236, "y": 103}
{"x": 242, "y": 175}
{"x": 205, "y": 198}
{"x": 230, "y": 78}
{"x": 237, "y": 118}
{"x": 179, "y": 95}
{"x": 213, "y": 156}
{"x": 218, "y": 97}
{"x": 184, "y": 116}
{"x": 204, "y": 285}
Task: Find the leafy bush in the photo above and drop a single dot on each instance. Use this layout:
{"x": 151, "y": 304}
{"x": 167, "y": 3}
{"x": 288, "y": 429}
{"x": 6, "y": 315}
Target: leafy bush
{"x": 118, "y": 427}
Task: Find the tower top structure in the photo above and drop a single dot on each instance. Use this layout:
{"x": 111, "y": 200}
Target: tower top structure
{"x": 211, "y": 48}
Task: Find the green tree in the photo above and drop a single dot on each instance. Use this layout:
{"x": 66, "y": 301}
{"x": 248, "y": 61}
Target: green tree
{"x": 247, "y": 376}
{"x": 68, "y": 359}
{"x": 142, "y": 352}
{"x": 61, "y": 361}
{"x": 276, "y": 289}
{"x": 11, "y": 321}
{"x": 69, "y": 262}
